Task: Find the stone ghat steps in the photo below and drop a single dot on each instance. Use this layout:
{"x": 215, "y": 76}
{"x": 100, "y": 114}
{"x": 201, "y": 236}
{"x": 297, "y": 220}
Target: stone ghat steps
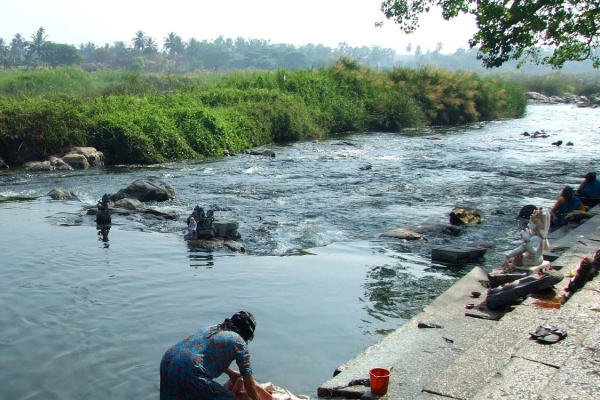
{"x": 505, "y": 363}
{"x": 491, "y": 356}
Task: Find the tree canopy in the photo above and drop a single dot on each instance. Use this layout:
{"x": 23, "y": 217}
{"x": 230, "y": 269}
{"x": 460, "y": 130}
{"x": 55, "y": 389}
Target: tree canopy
{"x": 516, "y": 29}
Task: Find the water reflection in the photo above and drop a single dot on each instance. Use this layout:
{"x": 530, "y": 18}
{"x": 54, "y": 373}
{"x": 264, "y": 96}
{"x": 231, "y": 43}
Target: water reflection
{"x": 103, "y": 234}
{"x": 392, "y": 291}
{"x": 199, "y": 255}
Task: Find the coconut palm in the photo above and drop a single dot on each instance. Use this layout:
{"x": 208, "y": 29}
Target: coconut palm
{"x": 38, "y": 43}
{"x": 122, "y": 54}
{"x": 151, "y": 46}
{"x": 17, "y": 46}
{"x": 173, "y": 44}
{"x": 139, "y": 41}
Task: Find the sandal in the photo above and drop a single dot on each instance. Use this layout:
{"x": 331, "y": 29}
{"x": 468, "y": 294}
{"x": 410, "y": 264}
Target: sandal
{"x": 548, "y": 334}
{"x": 554, "y": 337}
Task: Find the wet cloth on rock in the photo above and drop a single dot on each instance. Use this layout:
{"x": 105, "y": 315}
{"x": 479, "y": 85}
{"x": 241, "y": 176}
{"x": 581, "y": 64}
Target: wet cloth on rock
{"x": 266, "y": 391}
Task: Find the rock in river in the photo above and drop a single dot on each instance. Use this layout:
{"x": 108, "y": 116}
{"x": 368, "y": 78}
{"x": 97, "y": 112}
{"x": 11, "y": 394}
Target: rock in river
{"x": 145, "y": 190}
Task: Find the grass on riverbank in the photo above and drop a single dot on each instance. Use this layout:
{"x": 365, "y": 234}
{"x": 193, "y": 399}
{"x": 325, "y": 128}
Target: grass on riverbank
{"x": 153, "y": 118}
{"x": 556, "y": 83}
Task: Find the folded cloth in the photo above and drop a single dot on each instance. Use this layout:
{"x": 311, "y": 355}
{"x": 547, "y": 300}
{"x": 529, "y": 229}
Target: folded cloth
{"x": 266, "y": 391}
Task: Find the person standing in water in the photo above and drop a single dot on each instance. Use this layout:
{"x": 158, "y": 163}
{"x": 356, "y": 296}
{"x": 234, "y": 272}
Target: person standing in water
{"x": 188, "y": 368}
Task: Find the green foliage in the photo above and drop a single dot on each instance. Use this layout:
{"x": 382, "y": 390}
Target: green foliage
{"x": 516, "y": 30}
{"x": 462, "y": 97}
{"x": 147, "y": 118}
{"x": 557, "y": 83}
{"x": 67, "y": 80}
{"x": 34, "y": 127}
{"x": 56, "y": 54}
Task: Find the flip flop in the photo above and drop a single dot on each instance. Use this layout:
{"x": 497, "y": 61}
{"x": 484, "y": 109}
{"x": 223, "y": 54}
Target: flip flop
{"x": 542, "y": 331}
{"x": 557, "y": 336}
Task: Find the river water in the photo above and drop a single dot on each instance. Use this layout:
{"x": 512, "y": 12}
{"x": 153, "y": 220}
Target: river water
{"x": 88, "y": 315}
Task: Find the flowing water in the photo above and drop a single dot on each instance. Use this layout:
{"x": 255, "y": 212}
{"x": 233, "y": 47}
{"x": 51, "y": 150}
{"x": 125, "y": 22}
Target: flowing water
{"x": 86, "y": 313}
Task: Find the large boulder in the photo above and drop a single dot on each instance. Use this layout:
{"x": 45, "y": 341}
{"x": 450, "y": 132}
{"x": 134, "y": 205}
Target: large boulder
{"x": 266, "y": 153}
{"x": 465, "y": 216}
{"x": 76, "y": 160}
{"x": 403, "y": 234}
{"x": 538, "y": 97}
{"x": 145, "y": 190}
{"x": 93, "y": 156}
{"x": 129, "y": 204}
{"x": 58, "y": 163}
{"x": 38, "y": 166}
{"x": 62, "y": 194}
{"x": 226, "y": 229}
{"x": 526, "y": 211}
{"x": 415, "y": 232}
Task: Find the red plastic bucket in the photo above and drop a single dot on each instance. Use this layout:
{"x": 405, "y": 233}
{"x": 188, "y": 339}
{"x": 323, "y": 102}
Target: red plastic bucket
{"x": 380, "y": 377}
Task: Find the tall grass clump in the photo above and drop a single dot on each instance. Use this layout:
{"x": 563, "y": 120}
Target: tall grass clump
{"x": 450, "y": 98}
{"x": 149, "y": 118}
{"x": 556, "y": 83}
{"x": 64, "y": 80}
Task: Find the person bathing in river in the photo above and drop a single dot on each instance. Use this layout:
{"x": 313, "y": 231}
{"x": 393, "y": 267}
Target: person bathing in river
{"x": 590, "y": 187}
{"x": 565, "y": 204}
{"x": 188, "y": 368}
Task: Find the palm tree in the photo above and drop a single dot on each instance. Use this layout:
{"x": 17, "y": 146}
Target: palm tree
{"x": 38, "y": 43}
{"x": 151, "y": 46}
{"x": 174, "y": 45}
{"x": 122, "y": 54}
{"x": 139, "y": 41}
{"x": 3, "y": 46}
{"x": 17, "y": 46}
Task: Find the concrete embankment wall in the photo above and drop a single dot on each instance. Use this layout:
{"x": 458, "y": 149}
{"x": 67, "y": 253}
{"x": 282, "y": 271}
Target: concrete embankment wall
{"x": 481, "y": 354}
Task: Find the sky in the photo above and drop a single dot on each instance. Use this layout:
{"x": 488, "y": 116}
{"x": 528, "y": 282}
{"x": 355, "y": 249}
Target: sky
{"x": 326, "y": 22}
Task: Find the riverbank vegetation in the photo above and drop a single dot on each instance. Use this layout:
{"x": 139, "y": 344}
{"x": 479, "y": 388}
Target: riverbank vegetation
{"x": 556, "y": 83}
{"x": 150, "y": 118}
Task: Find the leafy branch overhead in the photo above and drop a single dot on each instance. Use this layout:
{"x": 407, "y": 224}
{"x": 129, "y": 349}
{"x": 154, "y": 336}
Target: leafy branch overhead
{"x": 516, "y": 29}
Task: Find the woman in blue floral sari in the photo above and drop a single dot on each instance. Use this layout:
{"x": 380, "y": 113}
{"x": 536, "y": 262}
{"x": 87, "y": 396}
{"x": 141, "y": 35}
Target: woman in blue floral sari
{"x": 188, "y": 368}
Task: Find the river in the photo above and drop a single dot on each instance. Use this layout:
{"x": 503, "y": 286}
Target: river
{"x": 86, "y": 315}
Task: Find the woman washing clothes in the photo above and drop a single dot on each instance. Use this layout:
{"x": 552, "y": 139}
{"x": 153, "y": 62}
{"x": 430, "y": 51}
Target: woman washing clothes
{"x": 566, "y": 203}
{"x": 188, "y": 368}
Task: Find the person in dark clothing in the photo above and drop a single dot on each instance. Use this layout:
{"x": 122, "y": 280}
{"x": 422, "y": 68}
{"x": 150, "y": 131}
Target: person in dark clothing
{"x": 564, "y": 205}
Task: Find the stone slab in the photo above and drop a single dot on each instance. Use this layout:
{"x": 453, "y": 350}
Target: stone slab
{"x": 576, "y": 317}
{"x": 533, "y": 270}
{"x": 457, "y": 254}
{"x": 549, "y": 256}
{"x": 431, "y": 396}
{"x": 471, "y": 282}
{"x": 471, "y": 372}
{"x": 519, "y": 379}
{"x": 579, "y": 378}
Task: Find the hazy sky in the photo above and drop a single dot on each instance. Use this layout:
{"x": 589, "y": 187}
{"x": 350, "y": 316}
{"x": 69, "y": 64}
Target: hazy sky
{"x": 328, "y": 22}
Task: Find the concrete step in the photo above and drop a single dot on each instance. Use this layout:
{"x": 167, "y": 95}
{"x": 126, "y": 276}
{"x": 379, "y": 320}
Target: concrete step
{"x": 414, "y": 354}
{"x": 504, "y": 361}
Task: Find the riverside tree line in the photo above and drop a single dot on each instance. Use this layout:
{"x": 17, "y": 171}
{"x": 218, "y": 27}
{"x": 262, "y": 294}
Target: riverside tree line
{"x": 173, "y": 54}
